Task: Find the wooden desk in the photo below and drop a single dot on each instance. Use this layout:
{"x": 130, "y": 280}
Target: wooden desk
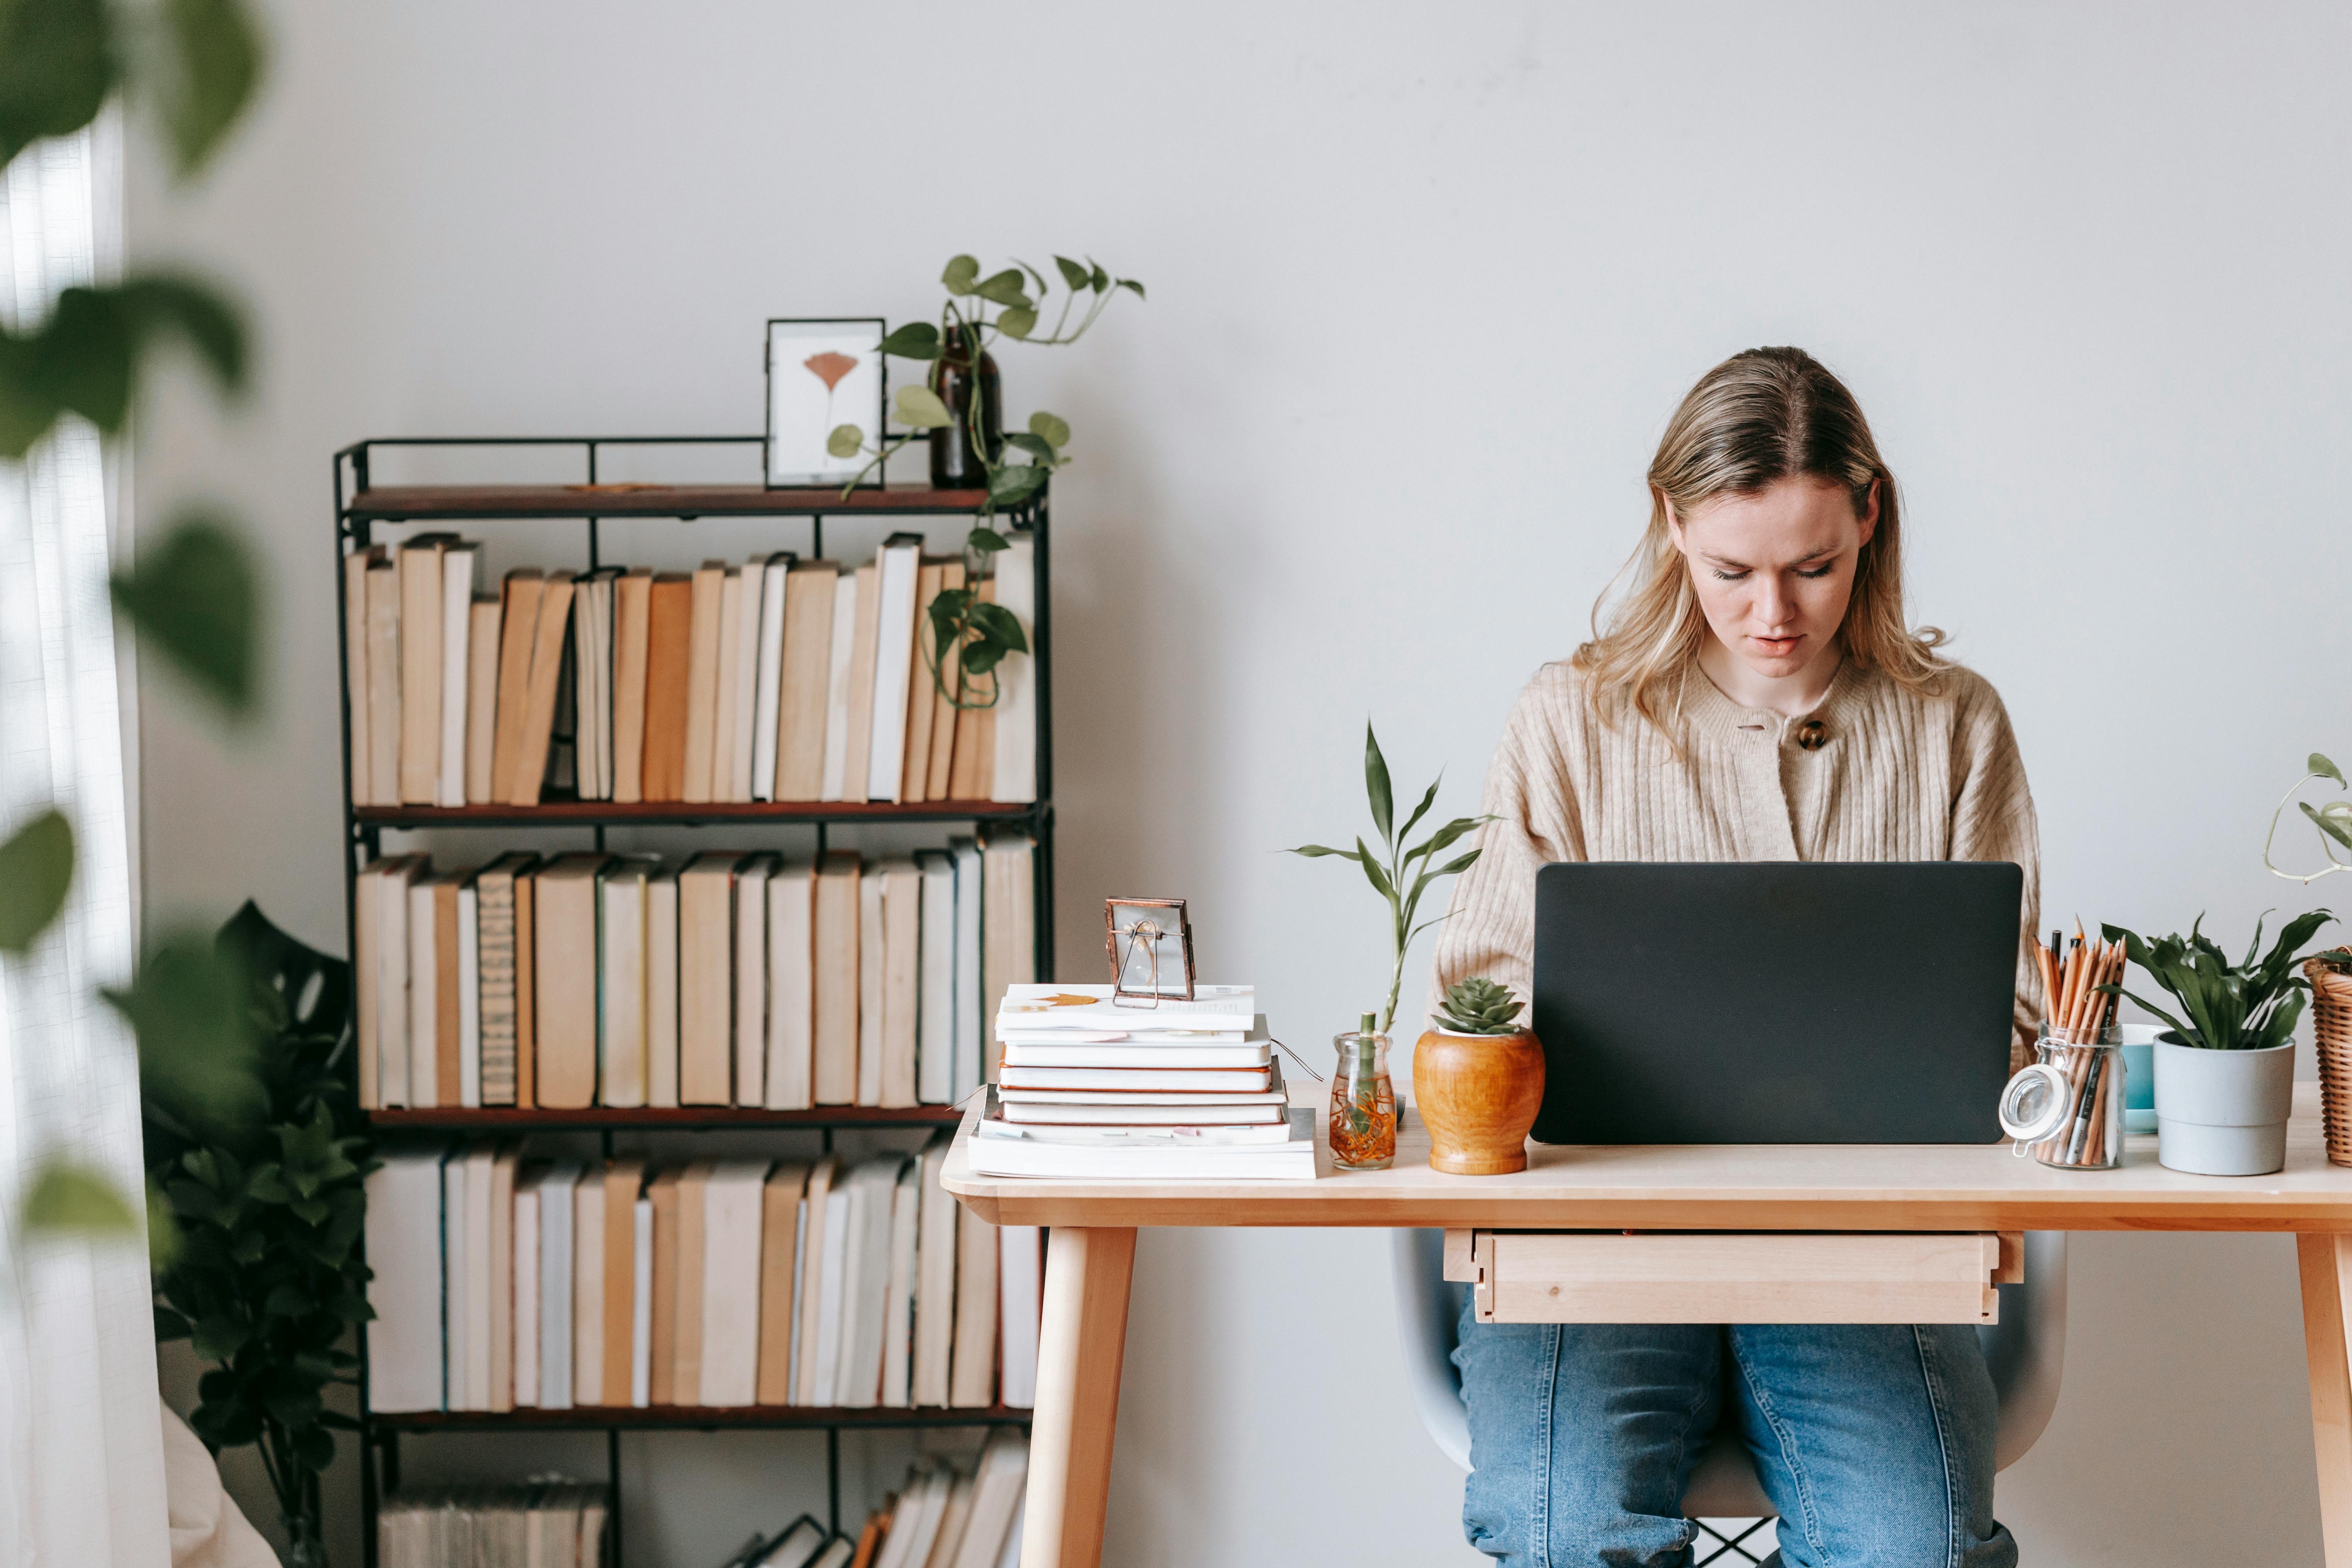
{"x": 1929, "y": 1188}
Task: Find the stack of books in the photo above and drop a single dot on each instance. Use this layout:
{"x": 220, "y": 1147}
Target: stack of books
{"x": 504, "y": 1282}
{"x": 539, "y": 1525}
{"x": 730, "y": 979}
{"x": 1092, "y": 1087}
{"x": 942, "y": 1518}
{"x": 778, "y": 679}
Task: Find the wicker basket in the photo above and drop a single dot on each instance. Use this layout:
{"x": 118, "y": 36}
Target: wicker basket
{"x": 2331, "y": 1015}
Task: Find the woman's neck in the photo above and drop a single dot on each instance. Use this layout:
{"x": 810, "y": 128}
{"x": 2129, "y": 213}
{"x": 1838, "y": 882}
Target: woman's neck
{"x": 1790, "y": 696}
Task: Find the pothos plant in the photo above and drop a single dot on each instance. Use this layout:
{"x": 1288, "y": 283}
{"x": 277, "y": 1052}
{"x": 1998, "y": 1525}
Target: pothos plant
{"x": 2332, "y": 820}
{"x": 970, "y": 638}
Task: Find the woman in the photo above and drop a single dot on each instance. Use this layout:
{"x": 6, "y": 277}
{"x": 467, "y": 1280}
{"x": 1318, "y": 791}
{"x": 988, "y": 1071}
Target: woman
{"x": 1755, "y": 696}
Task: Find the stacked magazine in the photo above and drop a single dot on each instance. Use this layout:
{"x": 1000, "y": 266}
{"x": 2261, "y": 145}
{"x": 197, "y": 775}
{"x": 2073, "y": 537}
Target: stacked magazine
{"x": 1093, "y": 1087}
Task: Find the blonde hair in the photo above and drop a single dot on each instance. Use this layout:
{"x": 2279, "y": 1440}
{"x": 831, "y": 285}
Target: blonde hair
{"x": 1758, "y": 417}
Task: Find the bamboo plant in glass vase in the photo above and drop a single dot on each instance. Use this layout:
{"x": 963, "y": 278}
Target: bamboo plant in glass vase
{"x": 1363, "y": 1123}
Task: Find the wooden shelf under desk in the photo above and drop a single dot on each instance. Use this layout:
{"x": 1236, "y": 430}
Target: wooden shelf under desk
{"x": 490, "y": 503}
{"x": 591, "y": 813}
{"x": 682, "y": 1119}
{"x": 692, "y": 1418}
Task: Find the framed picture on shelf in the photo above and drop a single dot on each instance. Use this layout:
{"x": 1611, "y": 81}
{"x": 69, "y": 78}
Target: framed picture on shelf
{"x": 822, "y": 374}
{"x": 1150, "y": 947}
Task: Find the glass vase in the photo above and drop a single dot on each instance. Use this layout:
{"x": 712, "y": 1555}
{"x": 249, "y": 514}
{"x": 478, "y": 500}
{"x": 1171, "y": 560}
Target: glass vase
{"x": 1363, "y": 1126}
{"x": 955, "y": 462}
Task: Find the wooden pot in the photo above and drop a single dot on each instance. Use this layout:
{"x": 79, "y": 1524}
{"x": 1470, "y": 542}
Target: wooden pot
{"x": 1477, "y": 1094}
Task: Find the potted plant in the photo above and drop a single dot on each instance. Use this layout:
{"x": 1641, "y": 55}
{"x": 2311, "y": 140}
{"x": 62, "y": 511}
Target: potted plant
{"x": 1478, "y": 1081}
{"x": 2225, "y": 1066}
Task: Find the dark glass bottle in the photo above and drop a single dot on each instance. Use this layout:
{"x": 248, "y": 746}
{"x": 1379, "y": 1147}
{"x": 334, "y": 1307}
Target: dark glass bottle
{"x": 954, "y": 464}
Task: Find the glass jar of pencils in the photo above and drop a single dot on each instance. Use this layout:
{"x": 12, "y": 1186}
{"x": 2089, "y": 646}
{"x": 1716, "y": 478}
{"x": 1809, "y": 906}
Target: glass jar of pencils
{"x": 2068, "y": 1109}
{"x": 1363, "y": 1125}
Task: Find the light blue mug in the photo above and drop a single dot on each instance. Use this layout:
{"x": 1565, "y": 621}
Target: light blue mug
{"x": 2139, "y": 1077}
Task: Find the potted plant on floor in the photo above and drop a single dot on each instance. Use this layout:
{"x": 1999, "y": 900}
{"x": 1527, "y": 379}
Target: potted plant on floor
{"x": 2225, "y": 1066}
{"x": 1478, "y": 1081}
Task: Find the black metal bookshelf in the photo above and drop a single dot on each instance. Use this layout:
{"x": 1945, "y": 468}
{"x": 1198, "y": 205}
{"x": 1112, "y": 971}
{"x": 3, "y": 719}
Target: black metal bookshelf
{"x": 361, "y": 505}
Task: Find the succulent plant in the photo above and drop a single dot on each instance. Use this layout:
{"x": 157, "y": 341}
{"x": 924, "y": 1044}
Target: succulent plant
{"x": 1479, "y": 1006}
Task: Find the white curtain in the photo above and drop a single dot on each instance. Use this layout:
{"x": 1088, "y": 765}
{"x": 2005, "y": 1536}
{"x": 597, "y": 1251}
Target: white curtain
{"x": 81, "y": 1462}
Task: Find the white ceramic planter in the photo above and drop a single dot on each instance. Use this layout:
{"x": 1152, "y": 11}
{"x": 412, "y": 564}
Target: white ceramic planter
{"x": 2222, "y": 1113}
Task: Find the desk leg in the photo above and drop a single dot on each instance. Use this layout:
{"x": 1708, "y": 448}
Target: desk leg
{"x": 2326, "y": 1262}
{"x": 1082, "y": 1340}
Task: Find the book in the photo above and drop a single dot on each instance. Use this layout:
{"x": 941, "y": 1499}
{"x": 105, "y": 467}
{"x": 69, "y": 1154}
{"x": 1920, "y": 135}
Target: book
{"x": 1015, "y": 776}
{"x": 465, "y": 1260}
{"x": 898, "y": 1329}
{"x": 751, "y": 879}
{"x": 1256, "y": 1112}
{"x": 743, "y": 722}
{"x": 728, "y": 711}
{"x": 804, "y": 684}
{"x": 482, "y": 651}
{"x": 565, "y": 976}
{"x": 1150, "y": 1157}
{"x": 974, "y": 770}
{"x": 621, "y": 1181}
{"x": 661, "y": 1375}
{"x": 902, "y": 926}
{"x": 915, "y": 1528}
{"x": 957, "y": 1514}
{"x": 421, "y": 646}
{"x": 1021, "y": 1279}
{"x": 494, "y": 902}
{"x": 922, "y": 688}
{"x": 815, "y": 1211}
{"x": 872, "y": 958}
{"x": 838, "y": 901}
{"x": 641, "y": 1304}
{"x": 865, "y": 1280}
{"x": 1271, "y": 1128}
{"x": 403, "y": 1338}
{"x": 1088, "y": 1054}
{"x": 384, "y": 671}
{"x": 842, "y": 656}
{"x": 423, "y": 1031}
{"x": 1203, "y": 1080}
{"x": 518, "y": 636}
{"x": 971, "y": 1372}
{"x": 661, "y": 987}
{"x": 792, "y": 988}
{"x": 562, "y": 772}
{"x": 592, "y": 664}
{"x": 693, "y": 1267}
{"x": 898, "y": 568}
{"x": 1033, "y": 1009}
{"x": 588, "y": 1281}
{"x": 366, "y": 963}
{"x": 504, "y": 1164}
{"x": 1008, "y": 930}
{"x": 469, "y": 995}
{"x": 971, "y": 1023}
{"x": 943, "y": 708}
{"x": 832, "y": 1285}
{"x": 632, "y": 655}
{"x": 669, "y": 617}
{"x": 550, "y": 645}
{"x": 767, "y": 688}
{"x": 355, "y": 668}
{"x": 864, "y": 655}
{"x": 395, "y": 875}
{"x": 447, "y": 1066}
{"x": 795, "y": 1548}
{"x": 732, "y": 1204}
{"x": 935, "y": 1019}
{"x": 703, "y": 641}
{"x": 706, "y": 964}
{"x": 457, "y": 623}
{"x": 526, "y": 985}
{"x": 622, "y": 982}
{"x": 1107, "y": 1098}
{"x": 935, "y": 1278}
{"x": 782, "y": 1199}
{"x": 996, "y": 1495}
{"x": 528, "y": 1180}
{"x": 556, "y": 1235}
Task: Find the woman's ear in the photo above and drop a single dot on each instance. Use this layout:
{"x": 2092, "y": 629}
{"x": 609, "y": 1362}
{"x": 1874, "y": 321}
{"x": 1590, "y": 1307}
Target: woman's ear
{"x": 1674, "y": 524}
{"x": 1869, "y": 518}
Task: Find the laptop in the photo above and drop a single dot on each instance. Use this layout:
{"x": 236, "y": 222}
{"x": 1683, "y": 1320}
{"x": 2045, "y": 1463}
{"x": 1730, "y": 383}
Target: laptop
{"x": 1775, "y": 1003}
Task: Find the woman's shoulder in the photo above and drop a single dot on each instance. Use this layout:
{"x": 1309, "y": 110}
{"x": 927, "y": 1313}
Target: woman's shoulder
{"x": 1966, "y": 697}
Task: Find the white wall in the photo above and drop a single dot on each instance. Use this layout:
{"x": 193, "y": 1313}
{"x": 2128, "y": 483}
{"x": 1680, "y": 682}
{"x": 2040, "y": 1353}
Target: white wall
{"x": 1425, "y": 281}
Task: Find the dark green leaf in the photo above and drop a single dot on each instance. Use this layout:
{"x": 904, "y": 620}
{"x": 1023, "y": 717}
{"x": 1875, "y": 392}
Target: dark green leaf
{"x": 195, "y": 1036}
{"x": 217, "y": 56}
{"x": 984, "y": 541}
{"x": 962, "y": 275}
{"x": 2322, "y": 768}
{"x": 195, "y": 597}
{"x": 1004, "y": 289}
{"x": 1379, "y": 878}
{"x": 999, "y": 624}
{"x": 1376, "y": 785}
{"x": 58, "y": 63}
{"x": 2326, "y": 824}
{"x": 1050, "y": 429}
{"x": 1036, "y": 445}
{"x": 170, "y": 1325}
{"x": 158, "y": 303}
{"x": 313, "y": 988}
{"x": 1421, "y": 810}
{"x": 1012, "y": 485}
{"x": 1131, "y": 283}
{"x": 1445, "y": 837}
{"x": 1075, "y": 276}
{"x": 72, "y": 1199}
{"x": 1313, "y": 851}
{"x": 844, "y": 441}
{"x": 1018, "y": 321}
{"x": 315, "y": 1449}
{"x": 35, "y": 870}
{"x": 916, "y": 340}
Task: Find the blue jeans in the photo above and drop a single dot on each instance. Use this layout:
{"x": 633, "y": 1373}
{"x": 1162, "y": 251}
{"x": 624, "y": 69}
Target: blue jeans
{"x": 1873, "y": 1441}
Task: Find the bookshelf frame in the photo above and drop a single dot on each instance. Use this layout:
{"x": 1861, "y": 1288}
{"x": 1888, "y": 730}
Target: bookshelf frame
{"x": 361, "y": 505}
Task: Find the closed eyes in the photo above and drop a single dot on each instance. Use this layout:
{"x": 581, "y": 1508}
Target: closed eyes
{"x": 1818, "y": 573}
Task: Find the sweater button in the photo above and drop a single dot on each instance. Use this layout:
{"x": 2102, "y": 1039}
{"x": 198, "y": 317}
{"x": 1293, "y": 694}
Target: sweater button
{"x": 1812, "y": 734}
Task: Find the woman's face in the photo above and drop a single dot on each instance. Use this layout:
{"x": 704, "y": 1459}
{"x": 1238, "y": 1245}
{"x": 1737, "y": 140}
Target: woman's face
{"x": 1774, "y": 570}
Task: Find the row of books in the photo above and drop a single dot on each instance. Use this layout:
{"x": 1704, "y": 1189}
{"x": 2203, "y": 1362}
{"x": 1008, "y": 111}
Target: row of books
{"x": 778, "y": 679}
{"x": 941, "y": 1518}
{"x": 538, "y": 1524}
{"x": 1096, "y": 1086}
{"x": 503, "y": 1282}
{"x": 730, "y": 979}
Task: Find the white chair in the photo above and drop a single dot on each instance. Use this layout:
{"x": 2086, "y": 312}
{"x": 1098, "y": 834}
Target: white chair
{"x": 2025, "y": 1351}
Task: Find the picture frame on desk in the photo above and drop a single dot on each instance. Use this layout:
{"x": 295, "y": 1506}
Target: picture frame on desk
{"x": 822, "y": 373}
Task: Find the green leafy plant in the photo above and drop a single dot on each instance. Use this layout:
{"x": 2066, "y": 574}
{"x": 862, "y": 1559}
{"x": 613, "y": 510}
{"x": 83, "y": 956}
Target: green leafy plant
{"x": 970, "y": 638}
{"x": 1394, "y": 877}
{"x": 2247, "y": 1006}
{"x": 1479, "y": 1006}
{"x": 267, "y": 1279}
{"x": 2332, "y": 820}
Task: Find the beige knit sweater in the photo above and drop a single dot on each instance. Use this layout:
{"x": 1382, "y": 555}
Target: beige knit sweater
{"x": 1896, "y": 775}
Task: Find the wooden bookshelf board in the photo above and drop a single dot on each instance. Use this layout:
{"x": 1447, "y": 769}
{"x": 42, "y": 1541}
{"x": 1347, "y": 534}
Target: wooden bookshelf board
{"x": 491, "y": 504}
{"x": 694, "y": 1418}
{"x": 589, "y": 813}
{"x": 681, "y": 1118}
